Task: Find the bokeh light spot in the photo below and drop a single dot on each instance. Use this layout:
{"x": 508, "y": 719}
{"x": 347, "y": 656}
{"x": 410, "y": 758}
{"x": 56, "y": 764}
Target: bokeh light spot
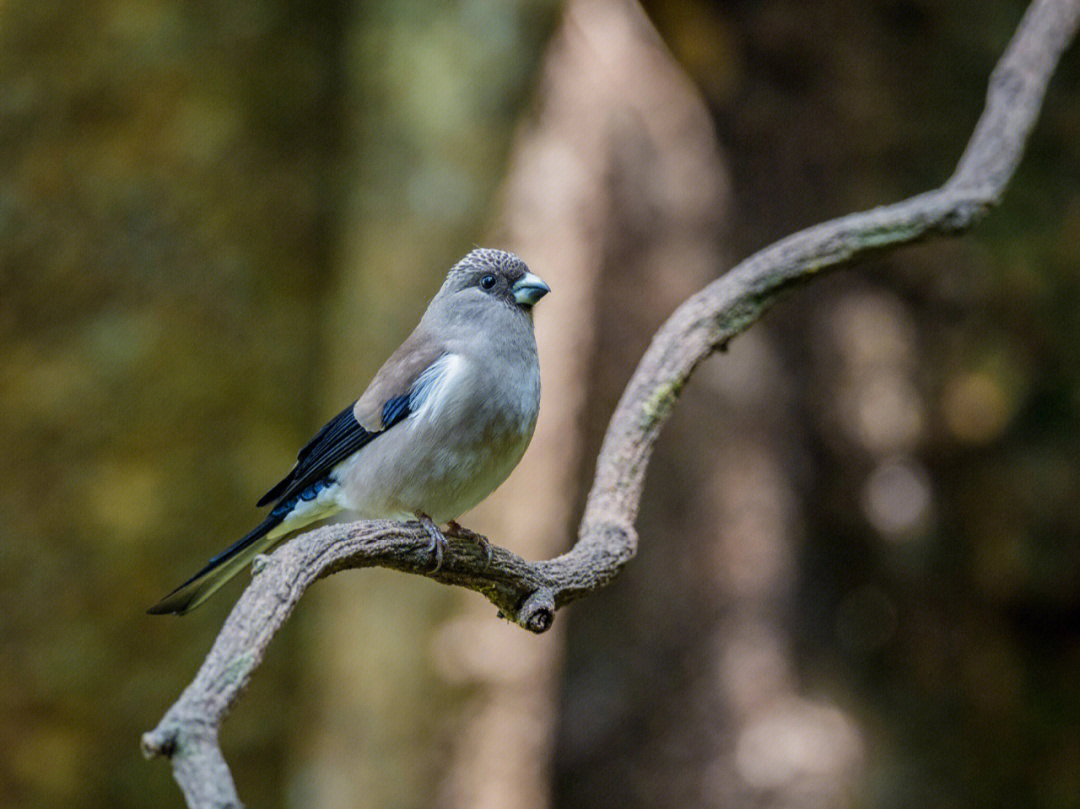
{"x": 897, "y": 498}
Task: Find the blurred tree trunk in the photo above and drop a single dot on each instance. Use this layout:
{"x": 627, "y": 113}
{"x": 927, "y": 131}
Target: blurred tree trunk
{"x": 552, "y": 207}
{"x": 680, "y": 684}
{"x": 616, "y": 195}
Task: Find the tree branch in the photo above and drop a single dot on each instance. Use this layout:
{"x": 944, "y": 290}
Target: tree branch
{"x": 529, "y": 593}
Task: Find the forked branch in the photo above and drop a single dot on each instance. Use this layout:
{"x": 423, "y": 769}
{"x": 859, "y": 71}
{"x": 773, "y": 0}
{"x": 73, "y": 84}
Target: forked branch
{"x": 529, "y": 593}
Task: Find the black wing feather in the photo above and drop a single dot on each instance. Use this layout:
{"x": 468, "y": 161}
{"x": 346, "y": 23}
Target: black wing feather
{"x": 395, "y": 410}
{"x": 337, "y": 440}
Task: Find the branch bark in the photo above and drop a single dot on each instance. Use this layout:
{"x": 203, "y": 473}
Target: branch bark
{"x": 529, "y": 593}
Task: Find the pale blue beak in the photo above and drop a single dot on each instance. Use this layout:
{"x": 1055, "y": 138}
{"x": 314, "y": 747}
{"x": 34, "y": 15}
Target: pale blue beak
{"x": 529, "y": 289}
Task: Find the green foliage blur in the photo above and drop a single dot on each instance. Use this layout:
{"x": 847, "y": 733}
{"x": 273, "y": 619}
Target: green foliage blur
{"x": 181, "y": 193}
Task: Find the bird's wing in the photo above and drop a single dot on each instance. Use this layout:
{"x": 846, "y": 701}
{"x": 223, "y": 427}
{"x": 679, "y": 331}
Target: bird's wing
{"x": 336, "y": 441}
{"x": 384, "y": 404}
{"x": 397, "y": 379}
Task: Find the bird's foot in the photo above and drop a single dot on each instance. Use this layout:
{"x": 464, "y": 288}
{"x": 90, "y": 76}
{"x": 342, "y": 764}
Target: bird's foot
{"x": 462, "y": 532}
{"x": 438, "y": 544}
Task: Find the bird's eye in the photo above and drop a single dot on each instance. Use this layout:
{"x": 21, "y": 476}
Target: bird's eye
{"x": 488, "y": 281}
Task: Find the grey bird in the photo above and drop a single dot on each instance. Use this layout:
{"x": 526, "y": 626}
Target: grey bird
{"x": 442, "y": 424}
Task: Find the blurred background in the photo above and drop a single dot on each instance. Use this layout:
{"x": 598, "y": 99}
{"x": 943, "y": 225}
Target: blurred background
{"x": 859, "y": 576}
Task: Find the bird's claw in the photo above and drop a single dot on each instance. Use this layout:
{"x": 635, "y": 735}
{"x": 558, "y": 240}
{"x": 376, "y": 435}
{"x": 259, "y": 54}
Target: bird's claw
{"x": 464, "y": 533}
{"x": 438, "y": 544}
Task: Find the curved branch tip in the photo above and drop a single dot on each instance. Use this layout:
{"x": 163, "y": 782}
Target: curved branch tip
{"x": 537, "y": 613}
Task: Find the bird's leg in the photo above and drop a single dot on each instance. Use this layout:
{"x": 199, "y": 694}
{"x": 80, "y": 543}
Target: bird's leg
{"x": 438, "y": 542}
{"x": 457, "y": 530}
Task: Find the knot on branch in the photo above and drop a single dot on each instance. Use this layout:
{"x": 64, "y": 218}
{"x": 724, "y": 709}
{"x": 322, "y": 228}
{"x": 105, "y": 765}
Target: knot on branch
{"x": 175, "y": 738}
{"x": 537, "y": 612}
{"x": 160, "y": 743}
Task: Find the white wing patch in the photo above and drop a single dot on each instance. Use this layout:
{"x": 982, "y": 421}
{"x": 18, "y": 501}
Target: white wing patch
{"x": 431, "y": 391}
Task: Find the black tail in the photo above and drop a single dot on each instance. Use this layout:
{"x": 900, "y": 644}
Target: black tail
{"x": 218, "y": 570}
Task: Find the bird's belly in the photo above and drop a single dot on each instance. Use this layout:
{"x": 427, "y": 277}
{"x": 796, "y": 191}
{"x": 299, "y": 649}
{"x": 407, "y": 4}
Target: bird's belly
{"x": 439, "y": 469}
{"x": 458, "y": 478}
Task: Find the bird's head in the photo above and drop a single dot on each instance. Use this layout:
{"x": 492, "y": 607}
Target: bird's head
{"x": 485, "y": 276}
